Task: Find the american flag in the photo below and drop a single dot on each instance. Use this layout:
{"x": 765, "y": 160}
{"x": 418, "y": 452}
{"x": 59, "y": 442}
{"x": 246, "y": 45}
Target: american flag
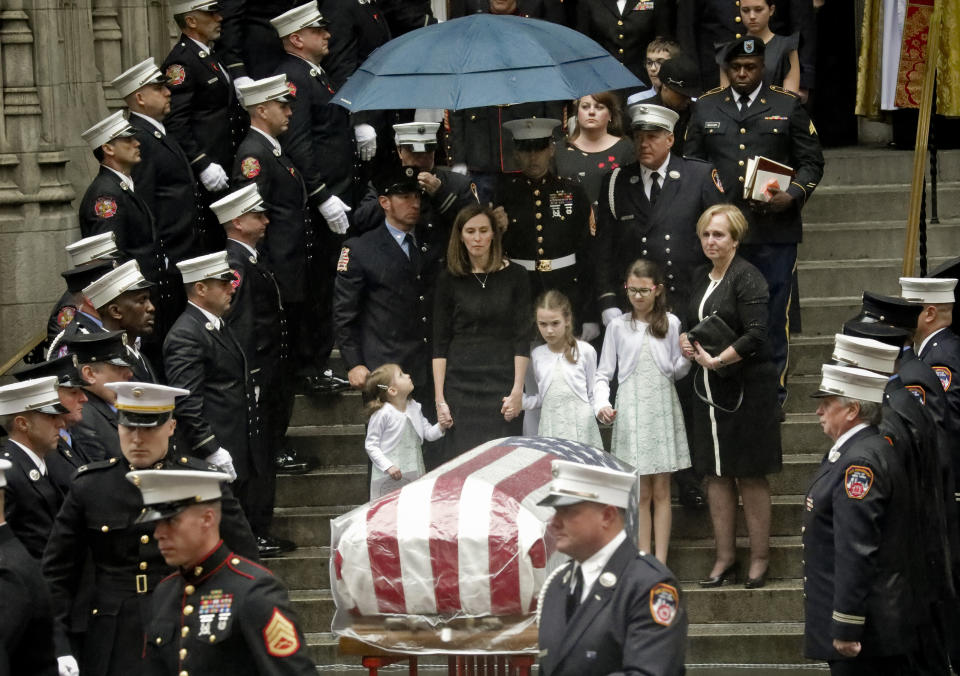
{"x": 466, "y": 539}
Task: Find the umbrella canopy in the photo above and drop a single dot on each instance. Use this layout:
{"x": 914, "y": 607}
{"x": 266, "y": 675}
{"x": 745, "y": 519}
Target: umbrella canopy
{"x": 483, "y": 60}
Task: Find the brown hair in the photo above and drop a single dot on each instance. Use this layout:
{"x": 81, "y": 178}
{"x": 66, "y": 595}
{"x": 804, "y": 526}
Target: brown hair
{"x": 662, "y": 44}
{"x": 377, "y": 385}
{"x": 613, "y": 103}
{"x": 458, "y": 261}
{"x": 554, "y": 301}
{"x": 736, "y": 221}
{"x": 658, "y": 321}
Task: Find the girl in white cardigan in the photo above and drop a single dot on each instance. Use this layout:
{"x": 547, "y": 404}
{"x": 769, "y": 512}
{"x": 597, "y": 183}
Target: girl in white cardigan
{"x": 564, "y": 369}
{"x": 643, "y": 347}
{"x": 396, "y": 430}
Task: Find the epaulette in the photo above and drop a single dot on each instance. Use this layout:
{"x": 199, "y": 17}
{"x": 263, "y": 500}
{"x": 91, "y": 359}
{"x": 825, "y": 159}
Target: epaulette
{"x": 694, "y": 159}
{"x": 715, "y": 90}
{"x": 99, "y": 464}
{"x": 781, "y": 90}
{"x": 245, "y": 567}
{"x": 195, "y": 463}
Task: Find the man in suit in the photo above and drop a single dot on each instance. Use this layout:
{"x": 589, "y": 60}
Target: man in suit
{"x": 356, "y": 29}
{"x": 31, "y": 413}
{"x": 611, "y": 609}
{"x": 750, "y": 119}
{"x": 626, "y": 28}
{"x": 26, "y": 624}
{"x": 248, "y": 43}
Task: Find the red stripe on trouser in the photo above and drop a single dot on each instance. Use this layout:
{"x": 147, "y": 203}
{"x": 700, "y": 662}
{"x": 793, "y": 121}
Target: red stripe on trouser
{"x": 383, "y": 550}
{"x": 504, "y": 535}
{"x": 444, "y": 527}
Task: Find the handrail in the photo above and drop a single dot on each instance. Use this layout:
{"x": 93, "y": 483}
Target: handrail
{"x": 26, "y": 349}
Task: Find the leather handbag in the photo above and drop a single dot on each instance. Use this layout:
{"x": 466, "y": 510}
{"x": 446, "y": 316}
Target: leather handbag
{"x": 715, "y": 336}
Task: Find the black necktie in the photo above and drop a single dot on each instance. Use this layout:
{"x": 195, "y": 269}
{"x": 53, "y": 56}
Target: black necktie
{"x": 744, "y": 103}
{"x": 413, "y": 253}
{"x": 573, "y": 597}
{"x": 654, "y": 187}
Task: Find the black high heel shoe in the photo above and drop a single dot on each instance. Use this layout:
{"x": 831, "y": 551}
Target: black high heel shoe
{"x": 727, "y": 576}
{"x": 756, "y": 582}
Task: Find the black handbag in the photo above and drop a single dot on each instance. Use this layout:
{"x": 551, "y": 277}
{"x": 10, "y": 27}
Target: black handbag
{"x": 715, "y": 336}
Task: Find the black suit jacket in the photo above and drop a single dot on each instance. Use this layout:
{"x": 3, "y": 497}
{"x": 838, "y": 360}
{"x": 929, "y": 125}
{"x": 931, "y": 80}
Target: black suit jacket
{"x": 625, "y": 35}
{"x": 356, "y": 29}
{"x": 635, "y": 624}
{"x": 249, "y": 45}
{"x": 82, "y": 323}
{"x": 63, "y": 464}
{"x": 31, "y": 500}
{"x": 97, "y": 432}
{"x": 290, "y": 244}
{"x": 220, "y": 411}
{"x": 205, "y": 116}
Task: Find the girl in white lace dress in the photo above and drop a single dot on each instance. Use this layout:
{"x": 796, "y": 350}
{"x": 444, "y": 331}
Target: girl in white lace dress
{"x": 564, "y": 369}
{"x": 396, "y": 430}
{"x": 643, "y": 347}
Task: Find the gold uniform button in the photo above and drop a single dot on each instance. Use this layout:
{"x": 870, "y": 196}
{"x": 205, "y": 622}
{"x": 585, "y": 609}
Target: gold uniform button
{"x": 536, "y": 193}
{"x": 621, "y": 50}
{"x": 143, "y": 565}
{"x": 188, "y": 610}
{"x": 743, "y": 147}
{"x": 538, "y": 216}
{"x": 539, "y": 240}
{"x": 539, "y": 228}
{"x": 739, "y": 36}
{"x": 540, "y": 251}
{"x": 737, "y": 19}
{"x": 740, "y": 163}
{"x": 159, "y": 640}
{"x": 620, "y": 23}
{"x": 185, "y": 631}
{"x": 183, "y": 653}
{"x": 94, "y": 611}
{"x": 234, "y": 561}
{"x": 189, "y": 589}
{"x": 742, "y": 130}
{"x": 183, "y": 459}
{"x": 105, "y": 528}
{"x": 213, "y": 638}
{"x": 537, "y": 203}
{"x": 740, "y": 178}
{"x": 620, "y": 36}
{"x": 184, "y": 673}
{"x": 144, "y": 539}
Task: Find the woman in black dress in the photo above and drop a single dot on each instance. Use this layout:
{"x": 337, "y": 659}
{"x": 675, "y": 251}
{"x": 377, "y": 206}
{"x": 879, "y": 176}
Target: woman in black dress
{"x": 734, "y": 445}
{"x": 481, "y": 336}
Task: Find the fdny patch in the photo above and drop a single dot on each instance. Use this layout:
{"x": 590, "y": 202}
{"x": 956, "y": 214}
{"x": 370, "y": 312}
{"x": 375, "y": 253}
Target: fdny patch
{"x": 250, "y": 167}
{"x": 280, "y": 636}
{"x": 106, "y": 207}
{"x": 237, "y": 280}
{"x": 918, "y": 392}
{"x": 292, "y": 88}
{"x": 344, "y": 259}
{"x": 176, "y": 74}
{"x": 945, "y": 375}
{"x": 664, "y": 604}
{"x": 857, "y": 481}
{"x": 715, "y": 175}
{"x": 65, "y": 316}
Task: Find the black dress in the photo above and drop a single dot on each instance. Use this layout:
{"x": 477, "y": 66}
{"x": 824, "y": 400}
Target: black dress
{"x": 745, "y": 443}
{"x": 479, "y": 331}
{"x": 589, "y": 168}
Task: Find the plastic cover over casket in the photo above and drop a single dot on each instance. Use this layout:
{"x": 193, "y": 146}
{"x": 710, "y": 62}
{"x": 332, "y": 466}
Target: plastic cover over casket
{"x": 454, "y": 561}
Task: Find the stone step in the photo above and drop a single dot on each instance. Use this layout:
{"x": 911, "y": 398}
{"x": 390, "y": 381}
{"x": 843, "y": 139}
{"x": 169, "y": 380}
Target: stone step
{"x": 801, "y": 433}
{"x": 825, "y": 316}
{"x": 335, "y": 485}
{"x": 873, "y": 202}
{"x": 339, "y": 408}
{"x": 329, "y": 444}
{"x": 798, "y": 470}
{"x": 305, "y": 568}
{"x": 823, "y": 278}
{"x": 871, "y": 239}
{"x": 785, "y": 519}
{"x": 314, "y": 609}
{"x": 809, "y": 353}
{"x": 863, "y": 166}
{"x": 801, "y": 387}
{"x": 307, "y": 526}
{"x": 691, "y": 559}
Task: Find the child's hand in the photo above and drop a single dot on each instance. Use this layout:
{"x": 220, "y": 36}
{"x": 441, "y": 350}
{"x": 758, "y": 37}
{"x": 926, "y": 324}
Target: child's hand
{"x": 686, "y": 347}
{"x": 607, "y": 415}
{"x": 395, "y": 473}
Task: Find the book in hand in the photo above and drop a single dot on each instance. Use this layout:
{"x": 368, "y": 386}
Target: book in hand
{"x": 763, "y": 174}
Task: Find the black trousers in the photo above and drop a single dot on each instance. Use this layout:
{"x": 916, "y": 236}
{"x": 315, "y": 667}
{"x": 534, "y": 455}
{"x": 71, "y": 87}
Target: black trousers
{"x": 889, "y": 665}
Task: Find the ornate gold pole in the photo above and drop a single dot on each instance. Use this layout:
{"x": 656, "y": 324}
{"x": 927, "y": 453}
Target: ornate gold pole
{"x": 923, "y": 134}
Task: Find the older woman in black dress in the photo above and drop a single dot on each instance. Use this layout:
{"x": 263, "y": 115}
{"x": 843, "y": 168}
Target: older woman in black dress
{"x": 481, "y": 337}
{"x": 735, "y": 445}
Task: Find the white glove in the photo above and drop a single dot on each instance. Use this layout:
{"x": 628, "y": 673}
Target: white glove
{"x": 590, "y": 331}
{"x": 214, "y": 178}
{"x": 366, "y": 141}
{"x": 334, "y": 210}
{"x": 223, "y": 460}
{"x": 610, "y": 314}
{"x": 237, "y": 82}
{"x": 67, "y": 666}
{"x": 459, "y": 168}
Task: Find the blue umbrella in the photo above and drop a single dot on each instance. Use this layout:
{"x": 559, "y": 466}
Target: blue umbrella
{"x": 483, "y": 60}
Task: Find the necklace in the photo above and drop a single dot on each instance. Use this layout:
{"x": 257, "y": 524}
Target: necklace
{"x": 483, "y": 284}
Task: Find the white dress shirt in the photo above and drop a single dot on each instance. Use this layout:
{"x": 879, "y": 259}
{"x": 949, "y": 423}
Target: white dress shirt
{"x": 212, "y": 318}
{"x": 834, "y": 453}
{"x": 156, "y": 123}
{"x": 253, "y": 252}
{"x": 579, "y": 376}
{"x": 927, "y": 340}
{"x": 593, "y": 566}
{"x": 648, "y": 174}
{"x": 36, "y": 459}
{"x": 274, "y": 142}
{"x": 123, "y": 177}
{"x": 386, "y": 427}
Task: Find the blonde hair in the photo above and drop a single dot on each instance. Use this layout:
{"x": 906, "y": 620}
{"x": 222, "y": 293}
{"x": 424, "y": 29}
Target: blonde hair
{"x": 736, "y": 221}
{"x": 554, "y": 301}
{"x": 378, "y": 385}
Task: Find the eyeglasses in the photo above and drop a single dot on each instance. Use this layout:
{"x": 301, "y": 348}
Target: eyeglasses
{"x": 642, "y": 291}
{"x": 655, "y": 63}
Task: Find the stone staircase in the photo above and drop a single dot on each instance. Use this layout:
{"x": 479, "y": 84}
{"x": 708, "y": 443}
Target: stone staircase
{"x": 854, "y": 236}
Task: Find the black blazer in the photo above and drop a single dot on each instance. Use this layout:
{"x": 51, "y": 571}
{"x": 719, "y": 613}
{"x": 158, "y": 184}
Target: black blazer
{"x": 31, "y": 500}
{"x": 97, "y": 432}
{"x": 63, "y": 464}
{"x": 625, "y": 35}
{"x": 248, "y": 44}
{"x": 356, "y": 29}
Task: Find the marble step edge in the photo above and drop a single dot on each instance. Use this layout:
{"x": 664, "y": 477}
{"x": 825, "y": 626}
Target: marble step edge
{"x": 868, "y": 188}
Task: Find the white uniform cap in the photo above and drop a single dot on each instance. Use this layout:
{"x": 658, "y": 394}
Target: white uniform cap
{"x": 167, "y": 492}
{"x": 5, "y": 466}
{"x": 531, "y": 128}
{"x": 417, "y": 135}
{"x": 146, "y": 397}
{"x": 641, "y": 96}
{"x": 132, "y": 79}
{"x": 928, "y": 290}
{"x": 865, "y": 353}
{"x": 304, "y": 16}
{"x": 648, "y": 116}
{"x": 209, "y": 266}
{"x": 89, "y": 249}
{"x": 38, "y": 394}
{"x": 238, "y": 203}
{"x": 272, "y": 88}
{"x": 185, "y": 6}
{"x": 126, "y": 277}
{"x": 854, "y": 383}
{"x": 107, "y": 129}
{"x": 574, "y": 482}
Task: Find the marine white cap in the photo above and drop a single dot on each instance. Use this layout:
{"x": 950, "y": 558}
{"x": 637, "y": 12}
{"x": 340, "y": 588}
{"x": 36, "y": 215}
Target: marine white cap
{"x": 5, "y": 466}
{"x": 865, "y": 353}
{"x": 109, "y": 128}
{"x": 304, "y": 16}
{"x": 848, "y": 381}
{"x": 37, "y": 394}
{"x": 89, "y": 249}
{"x": 648, "y": 116}
{"x": 208, "y": 266}
{"x": 121, "y": 279}
{"x": 185, "y": 6}
{"x": 531, "y": 128}
{"x": 132, "y": 79}
{"x": 238, "y": 203}
{"x": 574, "y": 482}
{"x": 417, "y": 135}
{"x": 273, "y": 88}
{"x": 167, "y": 492}
{"x": 145, "y": 404}
{"x": 928, "y": 290}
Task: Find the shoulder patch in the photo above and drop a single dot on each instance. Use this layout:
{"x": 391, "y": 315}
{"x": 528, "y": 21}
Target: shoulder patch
{"x": 813, "y": 130}
{"x": 344, "y": 261}
{"x": 715, "y": 90}
{"x": 857, "y": 481}
{"x": 250, "y": 167}
{"x": 715, "y": 175}
{"x": 176, "y": 74}
{"x": 66, "y": 315}
{"x": 945, "y": 375}
{"x": 664, "y": 604}
{"x": 292, "y": 88}
{"x": 918, "y": 392}
{"x": 105, "y": 207}
{"x": 280, "y": 636}
{"x": 237, "y": 279}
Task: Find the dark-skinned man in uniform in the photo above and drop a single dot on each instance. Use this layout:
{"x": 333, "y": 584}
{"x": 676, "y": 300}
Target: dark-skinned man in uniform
{"x": 99, "y": 518}
{"x": 612, "y": 609}
{"x": 750, "y": 119}
{"x": 219, "y": 613}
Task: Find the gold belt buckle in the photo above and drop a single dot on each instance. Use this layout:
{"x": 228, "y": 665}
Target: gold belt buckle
{"x": 141, "y": 584}
{"x": 544, "y": 265}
